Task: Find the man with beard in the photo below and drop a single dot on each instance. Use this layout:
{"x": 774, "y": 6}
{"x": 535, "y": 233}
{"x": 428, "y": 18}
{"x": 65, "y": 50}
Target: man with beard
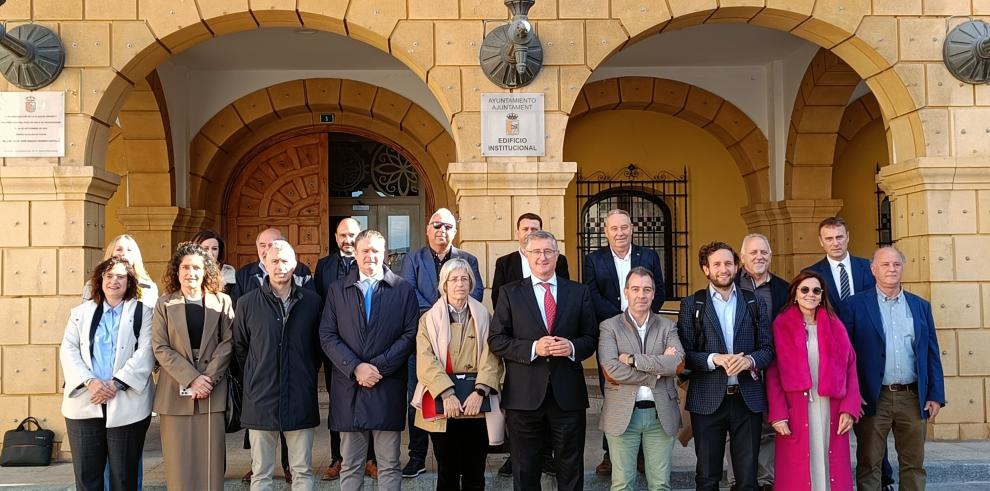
{"x": 329, "y": 269}
{"x": 726, "y": 336}
{"x": 422, "y": 270}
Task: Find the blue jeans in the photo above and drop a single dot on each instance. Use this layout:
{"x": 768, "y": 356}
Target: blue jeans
{"x": 645, "y": 428}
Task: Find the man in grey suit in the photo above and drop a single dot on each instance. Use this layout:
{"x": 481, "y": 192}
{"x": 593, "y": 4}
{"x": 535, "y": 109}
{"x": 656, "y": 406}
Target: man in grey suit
{"x": 641, "y": 355}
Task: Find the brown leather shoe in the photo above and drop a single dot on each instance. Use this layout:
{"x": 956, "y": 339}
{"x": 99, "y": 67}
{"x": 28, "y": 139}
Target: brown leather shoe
{"x": 605, "y": 468}
{"x": 371, "y": 469}
{"x": 333, "y": 472}
{"x": 288, "y": 475}
{"x": 247, "y": 477}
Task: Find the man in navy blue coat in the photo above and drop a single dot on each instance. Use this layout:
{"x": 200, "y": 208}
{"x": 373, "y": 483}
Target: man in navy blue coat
{"x": 422, "y": 269}
{"x": 900, "y": 372}
{"x": 605, "y": 272}
{"x": 368, "y": 330}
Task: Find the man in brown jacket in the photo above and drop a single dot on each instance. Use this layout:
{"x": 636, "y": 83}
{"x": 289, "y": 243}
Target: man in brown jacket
{"x": 641, "y": 355}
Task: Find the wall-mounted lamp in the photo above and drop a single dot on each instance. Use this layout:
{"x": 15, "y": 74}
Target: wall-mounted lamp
{"x": 31, "y": 56}
{"x": 966, "y": 51}
{"x": 512, "y": 55}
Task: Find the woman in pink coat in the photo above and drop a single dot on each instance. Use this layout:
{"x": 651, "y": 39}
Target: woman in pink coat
{"x": 813, "y": 392}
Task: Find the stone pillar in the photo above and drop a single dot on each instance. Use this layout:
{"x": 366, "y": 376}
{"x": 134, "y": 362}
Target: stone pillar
{"x": 53, "y": 234}
{"x": 792, "y": 227}
{"x": 941, "y": 221}
{"x": 491, "y": 195}
{"x": 157, "y": 229}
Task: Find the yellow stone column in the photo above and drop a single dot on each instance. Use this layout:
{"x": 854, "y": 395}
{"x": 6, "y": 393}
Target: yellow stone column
{"x": 491, "y": 195}
{"x": 941, "y": 221}
{"x": 53, "y": 232}
{"x": 792, "y": 227}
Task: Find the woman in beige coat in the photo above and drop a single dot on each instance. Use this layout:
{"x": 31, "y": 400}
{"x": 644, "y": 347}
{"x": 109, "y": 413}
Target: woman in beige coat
{"x": 191, "y": 338}
{"x": 452, "y": 342}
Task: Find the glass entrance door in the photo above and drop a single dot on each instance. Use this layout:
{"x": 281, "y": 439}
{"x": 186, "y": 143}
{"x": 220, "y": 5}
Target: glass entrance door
{"x": 400, "y": 220}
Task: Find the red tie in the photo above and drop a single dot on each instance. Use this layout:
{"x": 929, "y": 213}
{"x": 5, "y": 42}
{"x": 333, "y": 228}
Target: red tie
{"x": 549, "y": 306}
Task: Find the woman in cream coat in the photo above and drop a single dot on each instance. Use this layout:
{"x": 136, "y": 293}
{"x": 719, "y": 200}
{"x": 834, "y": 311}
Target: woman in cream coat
{"x": 192, "y": 341}
{"x": 453, "y": 339}
{"x": 107, "y": 362}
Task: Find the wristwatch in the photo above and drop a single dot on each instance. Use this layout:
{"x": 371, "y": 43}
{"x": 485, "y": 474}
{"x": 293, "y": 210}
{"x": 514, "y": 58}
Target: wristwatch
{"x": 632, "y": 361}
{"x": 480, "y": 392}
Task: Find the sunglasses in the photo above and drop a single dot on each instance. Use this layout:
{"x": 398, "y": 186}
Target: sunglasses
{"x": 804, "y": 290}
{"x": 439, "y": 225}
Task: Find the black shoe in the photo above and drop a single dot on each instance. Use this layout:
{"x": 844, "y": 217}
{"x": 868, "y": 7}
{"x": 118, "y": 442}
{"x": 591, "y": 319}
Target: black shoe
{"x": 888, "y": 487}
{"x": 414, "y": 468}
{"x": 506, "y": 469}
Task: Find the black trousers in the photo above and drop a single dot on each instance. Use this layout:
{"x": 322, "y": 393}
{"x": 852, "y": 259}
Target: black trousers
{"x": 419, "y": 439}
{"x": 335, "y": 435}
{"x": 460, "y": 453}
{"x": 93, "y": 445}
{"x": 734, "y": 418}
{"x": 527, "y": 429}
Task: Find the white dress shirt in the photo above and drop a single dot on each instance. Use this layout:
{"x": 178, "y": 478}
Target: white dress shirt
{"x": 622, "y": 267}
{"x": 834, "y": 266}
{"x": 525, "y": 265}
{"x": 540, "y": 292}
{"x": 644, "y": 393}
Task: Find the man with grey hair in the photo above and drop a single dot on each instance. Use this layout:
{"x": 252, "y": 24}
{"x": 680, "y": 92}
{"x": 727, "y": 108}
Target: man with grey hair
{"x": 275, "y": 342}
{"x": 900, "y": 372}
{"x": 755, "y": 276}
{"x": 422, "y": 269}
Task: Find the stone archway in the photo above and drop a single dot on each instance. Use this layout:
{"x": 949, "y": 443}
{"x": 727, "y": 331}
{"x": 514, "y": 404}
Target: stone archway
{"x": 722, "y": 119}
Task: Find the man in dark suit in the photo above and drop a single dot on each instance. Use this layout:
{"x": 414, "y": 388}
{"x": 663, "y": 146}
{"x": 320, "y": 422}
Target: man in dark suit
{"x": 514, "y": 266}
{"x": 900, "y": 372}
{"x": 252, "y": 275}
{"x": 755, "y": 276}
{"x": 844, "y": 273}
{"x": 422, "y": 269}
{"x": 605, "y": 272}
{"x": 727, "y": 342}
{"x": 833, "y": 235}
{"x": 329, "y": 269}
{"x": 543, "y": 328}
{"x": 368, "y": 330}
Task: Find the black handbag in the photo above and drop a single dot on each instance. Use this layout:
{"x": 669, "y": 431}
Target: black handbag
{"x": 23, "y": 447}
{"x": 463, "y": 387}
{"x": 232, "y": 414}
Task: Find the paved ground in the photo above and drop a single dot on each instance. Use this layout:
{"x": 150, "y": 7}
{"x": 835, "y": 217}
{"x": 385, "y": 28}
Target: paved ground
{"x": 959, "y": 466}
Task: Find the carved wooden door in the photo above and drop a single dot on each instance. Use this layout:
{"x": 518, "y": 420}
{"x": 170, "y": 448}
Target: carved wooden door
{"x": 283, "y": 186}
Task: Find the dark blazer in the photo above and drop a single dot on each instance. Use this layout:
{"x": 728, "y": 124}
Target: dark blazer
{"x": 508, "y": 268}
{"x": 778, "y": 293}
{"x": 861, "y": 276}
{"x": 707, "y": 388}
{"x": 250, "y": 277}
{"x": 603, "y": 280}
{"x": 420, "y": 270}
{"x": 861, "y": 315}
{"x": 280, "y": 357}
{"x": 326, "y": 273}
{"x": 517, "y": 324}
{"x": 386, "y": 342}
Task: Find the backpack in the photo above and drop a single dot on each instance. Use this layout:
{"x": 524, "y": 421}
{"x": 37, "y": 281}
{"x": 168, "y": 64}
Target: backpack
{"x": 701, "y": 302}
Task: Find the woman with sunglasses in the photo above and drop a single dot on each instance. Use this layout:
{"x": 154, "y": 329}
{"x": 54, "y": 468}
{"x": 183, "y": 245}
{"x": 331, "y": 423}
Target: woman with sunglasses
{"x": 813, "y": 391}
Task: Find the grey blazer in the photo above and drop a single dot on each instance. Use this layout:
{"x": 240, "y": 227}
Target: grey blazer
{"x": 653, "y": 369}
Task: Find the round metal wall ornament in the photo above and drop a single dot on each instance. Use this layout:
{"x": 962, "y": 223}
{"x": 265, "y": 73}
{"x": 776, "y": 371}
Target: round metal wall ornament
{"x": 33, "y": 56}
{"x": 966, "y": 52}
{"x": 500, "y": 61}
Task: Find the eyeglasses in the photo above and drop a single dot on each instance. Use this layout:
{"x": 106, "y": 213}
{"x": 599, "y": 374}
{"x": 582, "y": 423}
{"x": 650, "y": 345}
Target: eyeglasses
{"x": 111, "y": 276}
{"x": 542, "y": 252}
{"x": 439, "y": 225}
{"x": 804, "y": 290}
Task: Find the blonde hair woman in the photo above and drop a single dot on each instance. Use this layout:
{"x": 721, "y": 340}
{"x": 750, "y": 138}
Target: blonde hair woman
{"x": 452, "y": 343}
{"x": 125, "y": 247}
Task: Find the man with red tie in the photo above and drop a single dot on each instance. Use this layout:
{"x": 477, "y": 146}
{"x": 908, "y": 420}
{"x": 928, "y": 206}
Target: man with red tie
{"x": 543, "y": 327}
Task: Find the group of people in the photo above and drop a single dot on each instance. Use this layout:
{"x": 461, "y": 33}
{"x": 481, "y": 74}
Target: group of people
{"x": 768, "y": 365}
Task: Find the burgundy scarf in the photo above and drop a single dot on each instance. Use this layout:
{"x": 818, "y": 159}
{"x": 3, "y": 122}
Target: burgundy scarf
{"x": 834, "y": 350}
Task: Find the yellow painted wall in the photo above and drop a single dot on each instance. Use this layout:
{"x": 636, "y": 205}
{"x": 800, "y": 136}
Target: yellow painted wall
{"x": 853, "y": 182}
{"x": 610, "y": 140}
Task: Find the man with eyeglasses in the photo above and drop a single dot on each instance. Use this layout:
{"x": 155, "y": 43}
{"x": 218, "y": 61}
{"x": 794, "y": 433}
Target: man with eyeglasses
{"x": 605, "y": 273}
{"x": 422, "y": 269}
{"x": 900, "y": 372}
{"x": 543, "y": 328}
